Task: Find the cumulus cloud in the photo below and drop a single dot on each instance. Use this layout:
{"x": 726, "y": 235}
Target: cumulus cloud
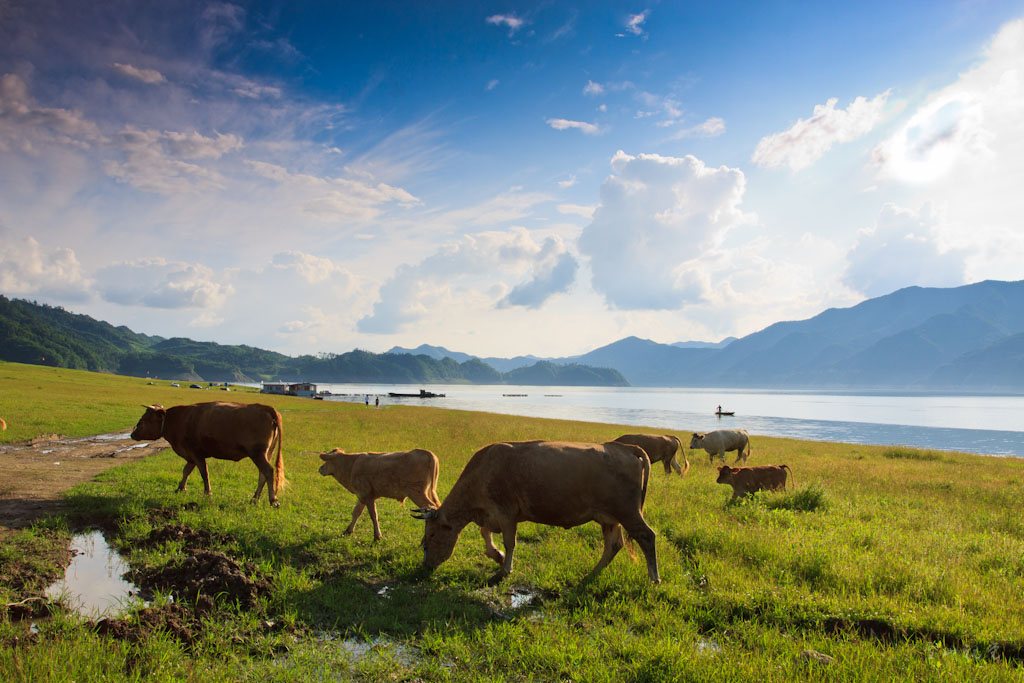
{"x": 903, "y": 248}
{"x": 474, "y": 266}
{"x": 808, "y": 139}
{"x": 158, "y": 283}
{"x": 148, "y": 76}
{"x": 592, "y": 88}
{"x": 657, "y": 218}
{"x": 566, "y": 124}
{"x": 968, "y": 125}
{"x": 27, "y": 269}
{"x": 554, "y": 270}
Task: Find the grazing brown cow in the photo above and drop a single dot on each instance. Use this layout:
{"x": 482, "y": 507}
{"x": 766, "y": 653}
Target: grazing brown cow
{"x": 747, "y": 480}
{"x": 659, "y": 448}
{"x": 406, "y": 474}
{"x": 722, "y": 441}
{"x": 227, "y": 431}
{"x": 557, "y": 483}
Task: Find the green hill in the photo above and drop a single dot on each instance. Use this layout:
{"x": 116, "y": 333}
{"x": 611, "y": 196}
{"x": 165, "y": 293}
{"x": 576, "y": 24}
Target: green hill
{"x": 47, "y": 335}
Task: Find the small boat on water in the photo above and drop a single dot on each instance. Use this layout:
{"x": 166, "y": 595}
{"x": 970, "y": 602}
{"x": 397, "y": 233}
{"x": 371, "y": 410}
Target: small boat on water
{"x": 727, "y": 413}
{"x": 423, "y": 394}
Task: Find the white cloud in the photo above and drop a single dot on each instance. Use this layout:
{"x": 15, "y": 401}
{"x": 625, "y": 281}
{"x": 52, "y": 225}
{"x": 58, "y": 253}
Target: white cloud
{"x": 902, "y": 249}
{"x": 468, "y": 272}
{"x": 707, "y": 129}
{"x": 24, "y": 123}
{"x": 491, "y": 84}
{"x": 657, "y": 219}
{"x": 566, "y": 124}
{"x": 158, "y": 283}
{"x": 568, "y": 182}
{"x": 148, "y": 76}
{"x": 967, "y": 125}
{"x": 554, "y": 270}
{"x": 154, "y": 161}
{"x": 514, "y": 23}
{"x": 29, "y": 270}
{"x": 635, "y": 23}
{"x": 592, "y": 88}
{"x": 808, "y": 139}
{"x": 577, "y": 209}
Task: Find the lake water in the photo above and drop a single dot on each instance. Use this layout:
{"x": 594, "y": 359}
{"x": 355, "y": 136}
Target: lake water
{"x": 975, "y": 424}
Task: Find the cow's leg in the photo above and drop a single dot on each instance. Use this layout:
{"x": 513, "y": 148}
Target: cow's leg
{"x": 372, "y": 507}
{"x": 674, "y": 462}
{"x": 356, "y": 511}
{"x": 489, "y": 549}
{"x": 206, "y": 476}
{"x": 644, "y": 535}
{"x": 266, "y": 477}
{"x": 187, "y": 470}
{"x": 667, "y": 464}
{"x": 612, "y": 545}
{"x": 508, "y": 535}
{"x": 739, "y": 454}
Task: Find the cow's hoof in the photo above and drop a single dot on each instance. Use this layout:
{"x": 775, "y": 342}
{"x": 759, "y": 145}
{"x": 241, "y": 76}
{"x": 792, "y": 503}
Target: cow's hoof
{"x": 275, "y": 503}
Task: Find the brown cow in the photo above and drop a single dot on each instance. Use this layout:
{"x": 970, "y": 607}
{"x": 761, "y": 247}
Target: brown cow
{"x": 227, "y": 431}
{"x": 659, "y": 449}
{"x": 747, "y": 480}
{"x": 401, "y": 475}
{"x": 557, "y": 483}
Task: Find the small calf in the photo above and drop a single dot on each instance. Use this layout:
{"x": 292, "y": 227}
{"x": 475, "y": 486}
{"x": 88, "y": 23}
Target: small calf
{"x": 747, "y": 480}
{"x": 401, "y": 475}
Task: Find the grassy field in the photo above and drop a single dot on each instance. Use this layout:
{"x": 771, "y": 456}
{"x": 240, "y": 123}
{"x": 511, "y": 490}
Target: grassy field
{"x": 895, "y": 563}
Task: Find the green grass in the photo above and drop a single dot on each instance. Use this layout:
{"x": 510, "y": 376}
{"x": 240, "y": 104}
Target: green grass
{"x": 898, "y": 567}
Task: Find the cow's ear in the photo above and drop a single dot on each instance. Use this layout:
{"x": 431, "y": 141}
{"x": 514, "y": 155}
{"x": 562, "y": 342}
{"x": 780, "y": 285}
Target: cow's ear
{"x": 721, "y": 467}
{"x": 325, "y": 456}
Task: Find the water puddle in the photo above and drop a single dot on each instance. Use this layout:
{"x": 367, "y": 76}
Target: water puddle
{"x": 521, "y": 597}
{"x": 92, "y": 584}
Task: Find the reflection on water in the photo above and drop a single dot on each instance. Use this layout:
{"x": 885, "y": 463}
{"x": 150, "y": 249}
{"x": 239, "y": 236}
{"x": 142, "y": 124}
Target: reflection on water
{"x": 92, "y": 583}
{"x": 974, "y": 424}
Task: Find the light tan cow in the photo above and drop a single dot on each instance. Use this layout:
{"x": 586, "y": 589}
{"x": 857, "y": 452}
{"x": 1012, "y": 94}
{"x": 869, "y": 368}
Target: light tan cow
{"x": 721, "y": 441}
{"x": 547, "y": 482}
{"x": 222, "y": 430}
{"x": 659, "y": 448}
{"x": 400, "y": 475}
{"x": 747, "y": 480}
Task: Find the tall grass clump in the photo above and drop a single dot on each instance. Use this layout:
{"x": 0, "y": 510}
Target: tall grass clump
{"x": 900, "y": 452}
{"x": 808, "y": 498}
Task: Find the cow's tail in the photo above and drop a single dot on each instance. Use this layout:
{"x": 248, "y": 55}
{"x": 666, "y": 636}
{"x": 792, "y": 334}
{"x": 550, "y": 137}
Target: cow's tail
{"x": 682, "y": 452}
{"x": 791, "y": 477}
{"x": 645, "y": 476}
{"x": 433, "y": 480}
{"x": 748, "y": 449}
{"x": 279, "y": 480}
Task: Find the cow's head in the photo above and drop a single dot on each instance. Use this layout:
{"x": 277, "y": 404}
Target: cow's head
{"x": 334, "y": 462}
{"x": 725, "y": 474}
{"x": 151, "y": 425}
{"x": 697, "y": 441}
{"x": 439, "y": 536}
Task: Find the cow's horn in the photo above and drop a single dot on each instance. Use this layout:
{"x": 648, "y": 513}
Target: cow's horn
{"x": 425, "y": 513}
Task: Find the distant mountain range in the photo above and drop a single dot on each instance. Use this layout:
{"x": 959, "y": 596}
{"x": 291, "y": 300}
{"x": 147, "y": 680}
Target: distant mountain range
{"x": 968, "y": 338}
{"x": 962, "y": 339}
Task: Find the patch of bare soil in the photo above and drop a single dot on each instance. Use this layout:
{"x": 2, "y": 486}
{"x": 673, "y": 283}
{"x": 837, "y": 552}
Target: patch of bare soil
{"x": 36, "y": 472}
{"x": 202, "y": 576}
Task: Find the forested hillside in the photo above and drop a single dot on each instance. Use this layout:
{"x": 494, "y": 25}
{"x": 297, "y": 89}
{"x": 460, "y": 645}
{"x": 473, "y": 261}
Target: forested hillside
{"x": 46, "y": 335}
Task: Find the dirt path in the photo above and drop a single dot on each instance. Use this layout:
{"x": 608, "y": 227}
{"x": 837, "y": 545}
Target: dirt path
{"x": 33, "y": 474}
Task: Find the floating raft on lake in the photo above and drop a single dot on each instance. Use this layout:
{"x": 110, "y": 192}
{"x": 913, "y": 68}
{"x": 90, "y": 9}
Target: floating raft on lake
{"x": 423, "y": 394}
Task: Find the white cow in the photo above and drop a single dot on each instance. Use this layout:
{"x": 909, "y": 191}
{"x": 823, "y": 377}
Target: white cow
{"x": 720, "y": 441}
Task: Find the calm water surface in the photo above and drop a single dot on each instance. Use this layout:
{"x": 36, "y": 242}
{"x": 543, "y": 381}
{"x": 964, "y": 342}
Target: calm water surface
{"x": 977, "y": 424}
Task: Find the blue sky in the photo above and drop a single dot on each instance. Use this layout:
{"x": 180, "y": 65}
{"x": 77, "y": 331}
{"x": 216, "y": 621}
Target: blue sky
{"x": 502, "y": 179}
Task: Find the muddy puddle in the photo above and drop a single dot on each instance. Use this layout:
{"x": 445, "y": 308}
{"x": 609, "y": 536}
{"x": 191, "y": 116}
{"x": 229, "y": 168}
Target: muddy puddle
{"x": 93, "y": 584}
